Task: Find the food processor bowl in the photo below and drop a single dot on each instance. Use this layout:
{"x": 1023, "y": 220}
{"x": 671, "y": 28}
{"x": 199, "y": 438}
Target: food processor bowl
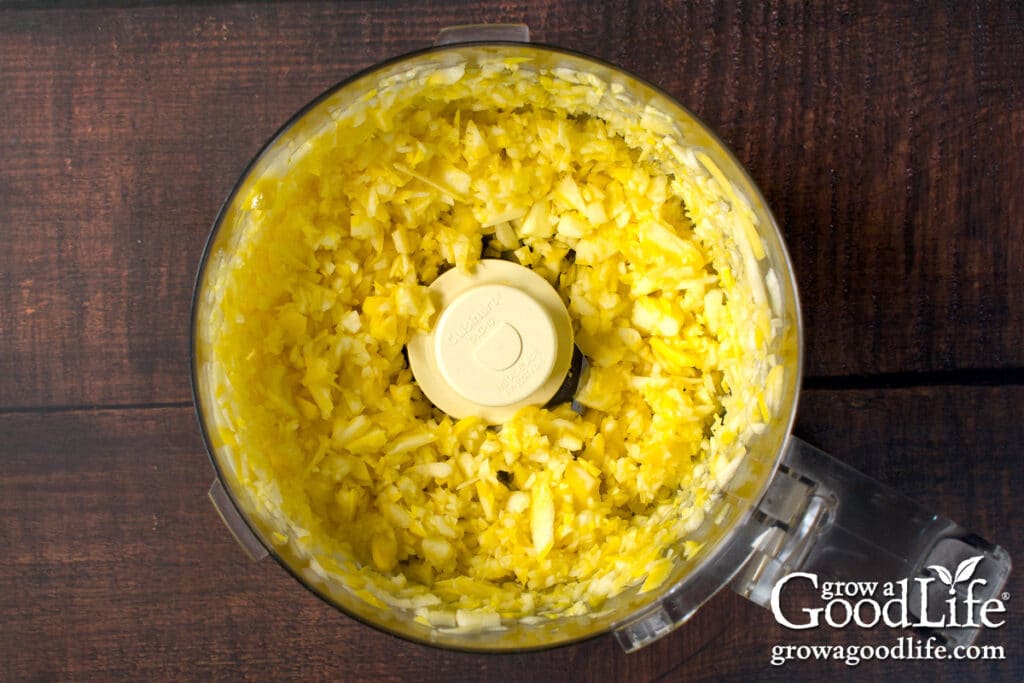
{"x": 765, "y": 521}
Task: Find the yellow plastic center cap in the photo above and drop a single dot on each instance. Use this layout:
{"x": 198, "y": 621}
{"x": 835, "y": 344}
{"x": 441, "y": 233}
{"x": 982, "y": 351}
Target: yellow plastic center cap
{"x": 503, "y": 340}
{"x": 495, "y": 345}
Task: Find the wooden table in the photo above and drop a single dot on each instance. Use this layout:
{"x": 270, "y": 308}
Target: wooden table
{"x": 888, "y": 142}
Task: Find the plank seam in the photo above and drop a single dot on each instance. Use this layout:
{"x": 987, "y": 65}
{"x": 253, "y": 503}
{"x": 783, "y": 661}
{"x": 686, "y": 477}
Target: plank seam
{"x": 94, "y": 407}
{"x": 976, "y": 377}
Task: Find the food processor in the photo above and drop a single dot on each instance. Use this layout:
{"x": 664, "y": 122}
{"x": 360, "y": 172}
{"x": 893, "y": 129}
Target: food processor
{"x": 503, "y": 340}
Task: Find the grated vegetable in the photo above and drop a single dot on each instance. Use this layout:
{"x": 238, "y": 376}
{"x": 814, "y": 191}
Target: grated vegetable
{"x": 653, "y": 251}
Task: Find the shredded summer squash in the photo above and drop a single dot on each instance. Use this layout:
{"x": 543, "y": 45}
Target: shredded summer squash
{"x": 655, "y": 255}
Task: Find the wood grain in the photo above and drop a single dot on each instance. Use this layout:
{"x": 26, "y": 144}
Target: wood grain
{"x": 117, "y": 567}
{"x": 885, "y": 138}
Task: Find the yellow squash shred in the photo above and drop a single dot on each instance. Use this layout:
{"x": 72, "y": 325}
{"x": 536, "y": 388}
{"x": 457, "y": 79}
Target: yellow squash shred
{"x": 652, "y": 251}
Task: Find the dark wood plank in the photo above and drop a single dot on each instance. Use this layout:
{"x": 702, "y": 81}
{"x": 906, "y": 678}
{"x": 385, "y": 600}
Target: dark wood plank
{"x": 115, "y": 566}
{"x": 885, "y": 137}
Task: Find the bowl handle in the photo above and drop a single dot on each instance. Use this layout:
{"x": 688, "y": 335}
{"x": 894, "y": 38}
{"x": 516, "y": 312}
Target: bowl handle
{"x": 850, "y": 538}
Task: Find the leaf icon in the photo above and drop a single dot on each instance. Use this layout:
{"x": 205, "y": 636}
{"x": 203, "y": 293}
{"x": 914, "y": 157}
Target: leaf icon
{"x": 944, "y": 575}
{"x": 966, "y": 569}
